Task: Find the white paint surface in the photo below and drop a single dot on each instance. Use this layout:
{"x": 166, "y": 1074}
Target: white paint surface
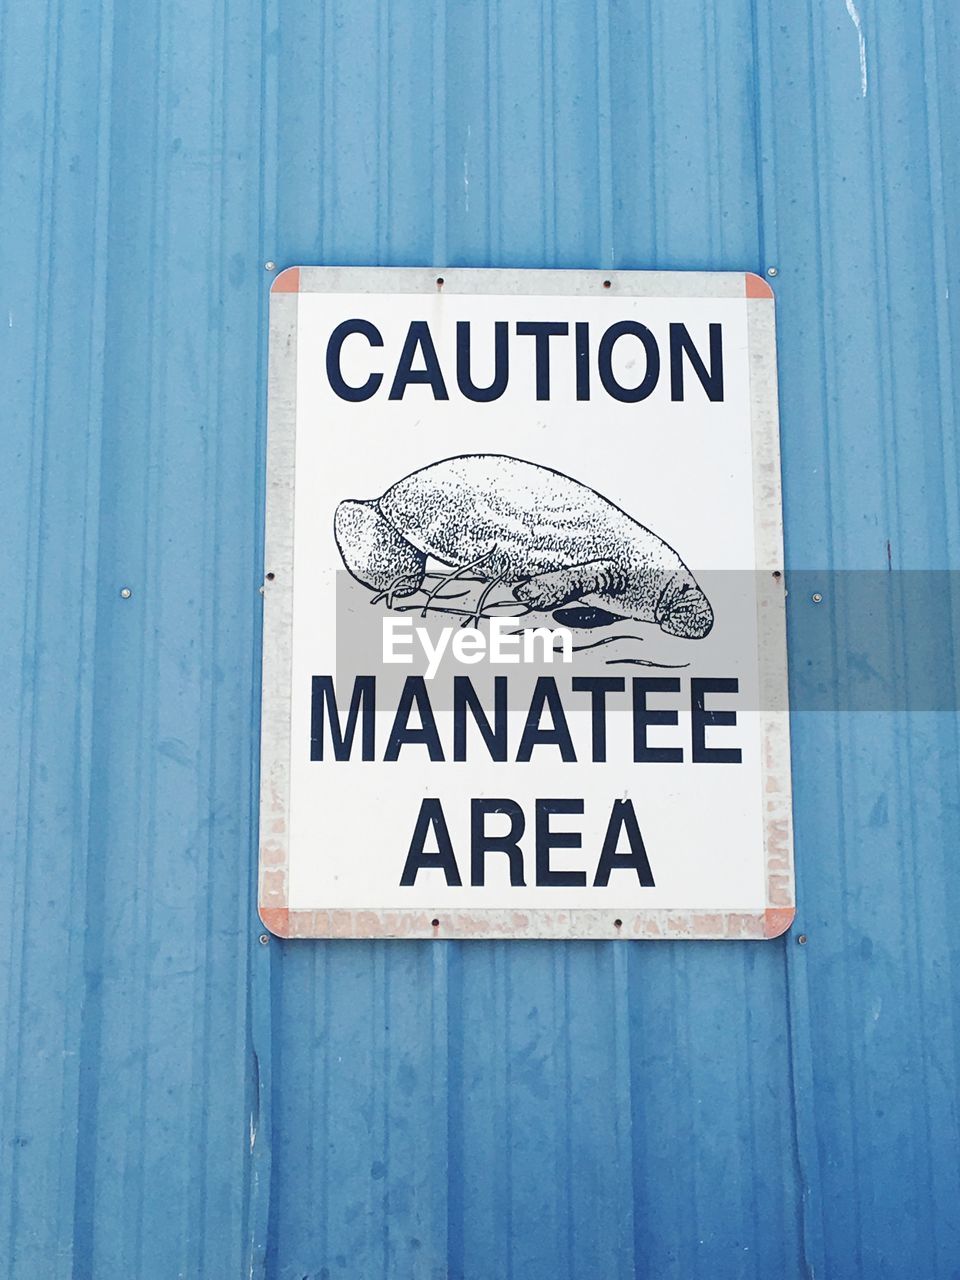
{"x": 854, "y": 13}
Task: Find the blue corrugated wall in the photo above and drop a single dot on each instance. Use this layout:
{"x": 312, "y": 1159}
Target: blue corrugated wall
{"x": 178, "y": 1099}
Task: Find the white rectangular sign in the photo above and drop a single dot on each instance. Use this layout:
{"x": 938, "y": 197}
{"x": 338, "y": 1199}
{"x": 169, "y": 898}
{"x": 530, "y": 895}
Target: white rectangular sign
{"x": 524, "y": 668}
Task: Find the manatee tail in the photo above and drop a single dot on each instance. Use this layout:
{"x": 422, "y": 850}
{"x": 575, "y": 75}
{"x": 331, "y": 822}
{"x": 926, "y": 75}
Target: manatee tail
{"x": 373, "y": 552}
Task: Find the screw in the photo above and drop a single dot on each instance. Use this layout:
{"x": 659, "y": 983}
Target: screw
{"x": 264, "y": 939}
{"x": 606, "y": 284}
{"x": 618, "y": 924}
{"x": 435, "y": 923}
{"x": 269, "y": 266}
{"x": 816, "y": 597}
{"x": 125, "y": 593}
{"x": 802, "y": 939}
{"x": 772, "y": 271}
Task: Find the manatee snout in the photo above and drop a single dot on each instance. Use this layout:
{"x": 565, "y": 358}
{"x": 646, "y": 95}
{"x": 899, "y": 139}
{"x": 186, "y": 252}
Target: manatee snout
{"x": 687, "y": 613}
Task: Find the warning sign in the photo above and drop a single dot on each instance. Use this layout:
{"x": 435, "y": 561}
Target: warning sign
{"x": 524, "y": 666}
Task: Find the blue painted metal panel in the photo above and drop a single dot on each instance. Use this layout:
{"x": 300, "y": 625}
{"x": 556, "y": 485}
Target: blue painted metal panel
{"x": 177, "y": 1098}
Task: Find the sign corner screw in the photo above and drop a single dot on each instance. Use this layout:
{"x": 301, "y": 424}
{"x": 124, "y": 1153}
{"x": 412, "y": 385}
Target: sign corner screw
{"x": 264, "y": 939}
{"x": 125, "y": 593}
{"x": 772, "y": 271}
{"x": 817, "y": 598}
{"x": 801, "y": 939}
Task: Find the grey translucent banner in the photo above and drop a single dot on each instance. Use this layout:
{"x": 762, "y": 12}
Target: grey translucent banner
{"x": 858, "y": 640}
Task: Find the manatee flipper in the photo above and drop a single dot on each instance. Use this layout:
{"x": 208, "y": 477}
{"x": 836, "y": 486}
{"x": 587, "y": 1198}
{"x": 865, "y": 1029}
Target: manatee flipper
{"x": 560, "y": 586}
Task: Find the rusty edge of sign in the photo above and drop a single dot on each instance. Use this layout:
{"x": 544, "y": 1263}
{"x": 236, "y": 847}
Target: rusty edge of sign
{"x": 778, "y": 914}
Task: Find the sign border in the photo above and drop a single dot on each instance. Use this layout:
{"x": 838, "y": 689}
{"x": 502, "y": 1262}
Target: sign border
{"x": 275, "y": 734}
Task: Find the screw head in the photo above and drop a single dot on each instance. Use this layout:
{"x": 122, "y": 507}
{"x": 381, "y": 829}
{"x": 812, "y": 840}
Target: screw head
{"x": 269, "y": 265}
{"x": 801, "y": 939}
{"x": 772, "y": 271}
{"x": 816, "y": 597}
{"x": 264, "y": 939}
{"x": 125, "y": 593}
